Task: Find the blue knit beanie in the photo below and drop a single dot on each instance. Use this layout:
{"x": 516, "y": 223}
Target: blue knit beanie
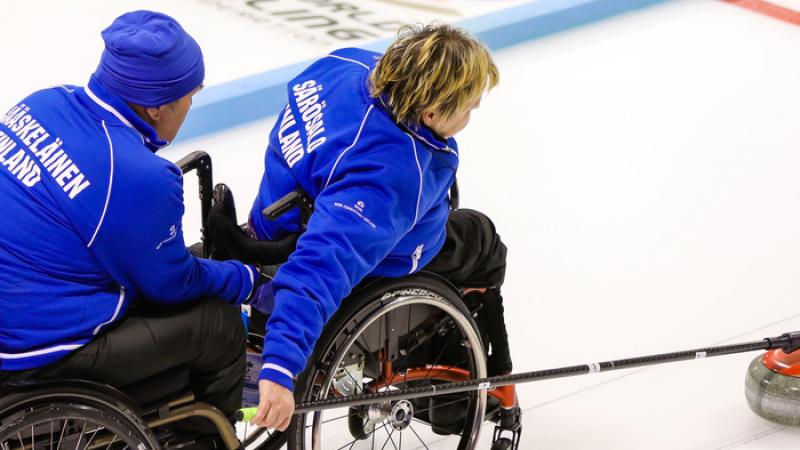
{"x": 149, "y": 59}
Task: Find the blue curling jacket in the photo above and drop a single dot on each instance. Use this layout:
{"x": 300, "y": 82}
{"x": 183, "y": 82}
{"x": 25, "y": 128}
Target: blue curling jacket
{"x": 380, "y": 194}
{"x": 90, "y": 221}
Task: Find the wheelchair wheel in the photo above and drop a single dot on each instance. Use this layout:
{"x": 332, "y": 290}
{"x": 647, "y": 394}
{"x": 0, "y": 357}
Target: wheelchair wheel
{"x": 391, "y": 335}
{"x": 77, "y": 418}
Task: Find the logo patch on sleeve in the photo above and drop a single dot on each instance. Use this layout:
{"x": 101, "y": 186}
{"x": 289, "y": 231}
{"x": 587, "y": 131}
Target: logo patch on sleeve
{"x": 358, "y": 210}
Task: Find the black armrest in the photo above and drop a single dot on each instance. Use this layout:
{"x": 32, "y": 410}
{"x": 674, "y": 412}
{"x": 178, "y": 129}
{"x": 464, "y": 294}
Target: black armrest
{"x": 294, "y": 199}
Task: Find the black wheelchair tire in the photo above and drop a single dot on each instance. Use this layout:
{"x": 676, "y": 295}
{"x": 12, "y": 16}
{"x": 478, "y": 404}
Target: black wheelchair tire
{"x": 372, "y": 296}
{"x": 100, "y": 397}
{"x": 126, "y": 428}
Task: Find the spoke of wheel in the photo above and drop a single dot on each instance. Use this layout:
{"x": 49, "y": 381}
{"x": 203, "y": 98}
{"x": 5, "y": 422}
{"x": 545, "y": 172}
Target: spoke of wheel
{"x": 432, "y": 377}
{"x": 418, "y": 437}
{"x": 353, "y": 442}
{"x": 365, "y": 348}
{"x": 378, "y": 362}
{"x": 405, "y": 360}
{"x": 60, "y": 438}
{"x": 83, "y": 432}
{"x": 51, "y": 435}
{"x": 21, "y": 442}
{"x": 414, "y": 419}
{"x": 336, "y": 418}
{"x": 92, "y": 438}
{"x": 391, "y": 380}
{"x": 438, "y": 357}
{"x": 392, "y": 440}
{"x": 401, "y": 440}
{"x": 33, "y": 444}
{"x": 419, "y": 421}
{"x": 329, "y": 420}
{"x": 388, "y": 438}
{"x": 355, "y": 383}
{"x": 383, "y": 322}
{"x": 113, "y": 439}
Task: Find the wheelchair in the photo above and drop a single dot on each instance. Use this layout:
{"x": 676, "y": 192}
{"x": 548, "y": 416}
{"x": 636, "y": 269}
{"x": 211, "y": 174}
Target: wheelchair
{"x": 388, "y": 335}
{"x": 85, "y": 415}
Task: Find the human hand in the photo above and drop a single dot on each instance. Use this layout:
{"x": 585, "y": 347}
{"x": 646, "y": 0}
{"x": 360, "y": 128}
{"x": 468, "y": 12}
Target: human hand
{"x": 222, "y": 228}
{"x": 275, "y": 406}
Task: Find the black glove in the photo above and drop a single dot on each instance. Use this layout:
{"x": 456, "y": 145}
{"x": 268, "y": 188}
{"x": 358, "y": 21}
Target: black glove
{"x": 222, "y": 227}
{"x": 229, "y": 241}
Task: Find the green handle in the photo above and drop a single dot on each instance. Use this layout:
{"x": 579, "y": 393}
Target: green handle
{"x": 246, "y": 414}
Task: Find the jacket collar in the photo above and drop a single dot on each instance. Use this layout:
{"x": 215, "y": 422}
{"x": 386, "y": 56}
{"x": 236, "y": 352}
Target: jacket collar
{"x": 117, "y": 107}
{"x": 431, "y": 139}
{"x": 422, "y": 133}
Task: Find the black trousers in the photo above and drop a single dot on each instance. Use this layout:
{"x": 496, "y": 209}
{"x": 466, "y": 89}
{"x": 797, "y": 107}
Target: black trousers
{"x": 159, "y": 351}
{"x": 473, "y": 256}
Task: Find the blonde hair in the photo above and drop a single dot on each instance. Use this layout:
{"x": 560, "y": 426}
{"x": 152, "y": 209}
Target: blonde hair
{"x": 435, "y": 67}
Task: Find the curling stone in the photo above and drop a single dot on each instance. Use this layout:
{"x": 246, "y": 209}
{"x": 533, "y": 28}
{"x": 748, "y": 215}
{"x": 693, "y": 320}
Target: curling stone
{"x": 772, "y": 387}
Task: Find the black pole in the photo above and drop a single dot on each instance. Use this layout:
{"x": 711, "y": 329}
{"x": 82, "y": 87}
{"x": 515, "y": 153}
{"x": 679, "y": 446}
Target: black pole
{"x": 789, "y": 342}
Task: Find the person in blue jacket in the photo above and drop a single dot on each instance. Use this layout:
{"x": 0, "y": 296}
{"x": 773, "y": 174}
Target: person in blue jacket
{"x": 369, "y": 138}
{"x": 96, "y": 280}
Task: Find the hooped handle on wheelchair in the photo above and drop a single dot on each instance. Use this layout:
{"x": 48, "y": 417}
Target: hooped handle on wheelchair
{"x": 201, "y": 162}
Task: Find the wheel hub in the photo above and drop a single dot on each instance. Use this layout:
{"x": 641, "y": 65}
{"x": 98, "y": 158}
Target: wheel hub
{"x": 401, "y": 414}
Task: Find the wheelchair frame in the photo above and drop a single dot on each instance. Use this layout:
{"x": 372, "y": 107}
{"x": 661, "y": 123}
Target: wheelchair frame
{"x": 30, "y": 396}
